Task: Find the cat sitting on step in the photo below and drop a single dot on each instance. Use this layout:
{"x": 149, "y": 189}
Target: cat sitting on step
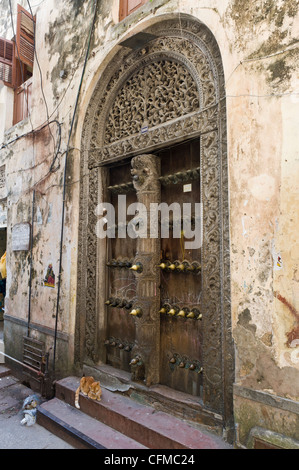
{"x": 89, "y": 387}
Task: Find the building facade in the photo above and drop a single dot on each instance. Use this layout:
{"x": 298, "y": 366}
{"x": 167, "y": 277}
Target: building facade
{"x": 141, "y": 103}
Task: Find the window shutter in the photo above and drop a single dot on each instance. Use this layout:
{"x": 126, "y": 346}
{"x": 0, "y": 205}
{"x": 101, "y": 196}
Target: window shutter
{"x": 126, "y": 7}
{"x": 25, "y": 36}
{"x": 6, "y": 61}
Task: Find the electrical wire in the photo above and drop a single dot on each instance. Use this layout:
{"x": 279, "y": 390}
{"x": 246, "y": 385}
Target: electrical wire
{"x": 35, "y": 131}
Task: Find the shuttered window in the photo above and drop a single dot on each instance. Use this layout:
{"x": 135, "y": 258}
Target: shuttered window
{"x": 25, "y": 36}
{"x": 126, "y": 7}
{"x": 6, "y": 61}
{"x": 16, "y": 58}
{"x": 22, "y": 101}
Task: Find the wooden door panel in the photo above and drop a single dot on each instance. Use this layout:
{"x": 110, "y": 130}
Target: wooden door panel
{"x": 181, "y": 337}
{"x": 180, "y": 319}
{"x": 121, "y": 287}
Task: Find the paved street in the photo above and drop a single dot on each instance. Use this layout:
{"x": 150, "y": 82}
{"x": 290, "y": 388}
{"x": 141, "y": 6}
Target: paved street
{"x": 12, "y": 434}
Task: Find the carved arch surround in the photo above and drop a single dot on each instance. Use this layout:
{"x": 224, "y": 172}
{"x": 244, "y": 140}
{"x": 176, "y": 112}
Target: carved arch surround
{"x": 191, "y": 46}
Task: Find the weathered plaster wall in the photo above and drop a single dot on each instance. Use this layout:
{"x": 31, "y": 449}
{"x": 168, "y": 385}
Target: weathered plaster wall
{"x": 264, "y": 195}
{"x": 259, "y": 47}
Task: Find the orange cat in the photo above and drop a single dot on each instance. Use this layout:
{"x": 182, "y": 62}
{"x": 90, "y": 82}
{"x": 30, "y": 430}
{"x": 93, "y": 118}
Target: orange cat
{"x": 88, "y": 386}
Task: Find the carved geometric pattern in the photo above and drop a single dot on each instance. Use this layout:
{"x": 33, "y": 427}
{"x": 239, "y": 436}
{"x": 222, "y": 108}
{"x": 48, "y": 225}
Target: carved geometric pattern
{"x": 184, "y": 47}
{"x": 187, "y": 126}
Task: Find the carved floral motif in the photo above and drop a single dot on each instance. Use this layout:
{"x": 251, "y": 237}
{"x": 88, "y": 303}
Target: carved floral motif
{"x": 157, "y": 93}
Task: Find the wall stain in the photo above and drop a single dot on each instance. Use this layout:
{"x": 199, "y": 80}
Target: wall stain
{"x": 245, "y": 319}
{"x": 293, "y": 335}
{"x": 251, "y": 18}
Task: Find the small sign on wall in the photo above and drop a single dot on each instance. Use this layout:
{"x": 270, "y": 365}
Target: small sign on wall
{"x": 49, "y": 280}
{"x": 20, "y": 237}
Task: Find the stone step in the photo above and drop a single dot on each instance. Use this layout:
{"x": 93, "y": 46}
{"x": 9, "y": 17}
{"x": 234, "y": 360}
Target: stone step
{"x": 142, "y": 423}
{"x": 79, "y": 429}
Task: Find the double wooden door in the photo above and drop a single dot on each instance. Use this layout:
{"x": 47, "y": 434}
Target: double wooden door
{"x": 153, "y": 293}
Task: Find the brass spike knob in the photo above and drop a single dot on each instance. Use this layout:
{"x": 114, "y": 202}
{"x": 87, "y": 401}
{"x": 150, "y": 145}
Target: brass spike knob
{"x": 172, "y": 311}
{"x": 121, "y": 346}
{"x": 191, "y": 315}
{"x": 196, "y": 314}
{"x": 127, "y": 348}
{"x": 172, "y": 267}
{"x": 172, "y": 360}
{"x": 162, "y": 310}
{"x": 113, "y": 343}
{"x": 134, "y": 361}
{"x": 137, "y": 312}
{"x": 192, "y": 367}
{"x": 108, "y": 302}
{"x": 200, "y": 371}
{"x": 182, "y": 365}
{"x": 181, "y": 267}
{"x": 107, "y": 342}
{"x": 195, "y": 267}
{"x": 162, "y": 265}
{"x": 181, "y": 313}
{"x": 136, "y": 267}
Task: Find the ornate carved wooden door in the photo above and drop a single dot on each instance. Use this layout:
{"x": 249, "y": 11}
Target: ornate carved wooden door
{"x": 154, "y": 287}
{"x": 148, "y": 99}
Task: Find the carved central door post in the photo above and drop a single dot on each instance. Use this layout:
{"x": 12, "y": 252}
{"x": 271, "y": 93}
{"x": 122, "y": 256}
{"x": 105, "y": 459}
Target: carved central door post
{"x": 146, "y": 353}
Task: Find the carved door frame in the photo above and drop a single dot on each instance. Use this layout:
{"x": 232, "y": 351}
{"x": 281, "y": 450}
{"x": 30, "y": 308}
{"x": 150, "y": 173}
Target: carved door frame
{"x": 190, "y": 44}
